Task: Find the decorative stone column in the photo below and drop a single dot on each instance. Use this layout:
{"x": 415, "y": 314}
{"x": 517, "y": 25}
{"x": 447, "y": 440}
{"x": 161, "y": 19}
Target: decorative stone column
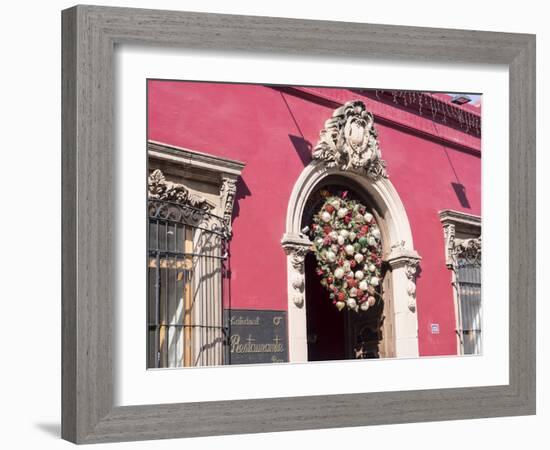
{"x": 296, "y": 247}
{"x": 228, "y": 189}
{"x": 404, "y": 265}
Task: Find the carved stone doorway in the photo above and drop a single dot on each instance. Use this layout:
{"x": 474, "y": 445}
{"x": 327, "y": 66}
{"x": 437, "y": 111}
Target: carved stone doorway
{"x": 348, "y": 150}
{"x": 400, "y": 327}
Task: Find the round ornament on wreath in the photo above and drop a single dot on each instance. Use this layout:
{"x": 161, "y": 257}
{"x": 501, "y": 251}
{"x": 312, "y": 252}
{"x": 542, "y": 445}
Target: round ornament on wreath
{"x": 348, "y": 249}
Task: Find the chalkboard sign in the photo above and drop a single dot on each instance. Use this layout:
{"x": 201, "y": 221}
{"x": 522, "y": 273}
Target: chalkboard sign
{"x": 256, "y": 336}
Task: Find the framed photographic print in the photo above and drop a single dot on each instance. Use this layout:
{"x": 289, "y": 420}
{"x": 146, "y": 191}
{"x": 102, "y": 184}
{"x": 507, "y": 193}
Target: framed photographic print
{"x": 267, "y": 230}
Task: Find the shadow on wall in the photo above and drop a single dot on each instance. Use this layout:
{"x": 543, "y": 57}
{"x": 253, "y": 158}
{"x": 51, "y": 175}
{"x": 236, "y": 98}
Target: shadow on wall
{"x": 460, "y": 191}
{"x": 242, "y": 192}
{"x": 303, "y": 148}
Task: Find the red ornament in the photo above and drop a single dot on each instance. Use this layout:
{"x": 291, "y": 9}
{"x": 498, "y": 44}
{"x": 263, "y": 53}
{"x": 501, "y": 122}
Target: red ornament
{"x": 329, "y": 208}
{"x": 341, "y": 296}
{"x": 359, "y": 293}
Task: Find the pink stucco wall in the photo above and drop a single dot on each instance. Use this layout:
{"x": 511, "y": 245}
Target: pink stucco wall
{"x": 260, "y": 126}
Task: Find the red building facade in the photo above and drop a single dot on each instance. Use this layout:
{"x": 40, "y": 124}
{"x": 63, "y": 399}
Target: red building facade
{"x": 432, "y": 151}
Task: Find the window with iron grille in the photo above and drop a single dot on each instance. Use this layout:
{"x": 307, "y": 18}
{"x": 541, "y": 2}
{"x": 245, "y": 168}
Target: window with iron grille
{"x": 468, "y": 286}
{"x": 186, "y": 254}
{"x": 463, "y": 256}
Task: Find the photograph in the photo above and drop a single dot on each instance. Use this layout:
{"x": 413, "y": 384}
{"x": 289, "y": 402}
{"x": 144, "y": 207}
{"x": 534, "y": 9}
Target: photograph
{"x": 258, "y": 225}
{"x": 293, "y": 224}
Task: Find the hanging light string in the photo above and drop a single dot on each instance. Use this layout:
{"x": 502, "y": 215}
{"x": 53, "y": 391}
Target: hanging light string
{"x": 425, "y": 103}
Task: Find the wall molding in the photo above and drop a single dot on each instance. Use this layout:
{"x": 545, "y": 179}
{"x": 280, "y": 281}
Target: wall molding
{"x": 203, "y": 167}
{"x": 462, "y": 233}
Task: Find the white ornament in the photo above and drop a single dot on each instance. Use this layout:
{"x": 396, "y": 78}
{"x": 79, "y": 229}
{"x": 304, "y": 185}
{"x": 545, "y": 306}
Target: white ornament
{"x": 376, "y": 233}
{"x": 336, "y": 204}
{"x": 320, "y": 241}
{"x": 334, "y": 247}
{"x": 342, "y": 212}
{"x": 363, "y": 285}
{"x": 331, "y": 256}
{"x": 350, "y": 274}
{"x": 340, "y": 305}
{"x": 351, "y": 303}
{"x": 371, "y": 240}
{"x": 353, "y": 292}
{"x": 341, "y": 240}
{"x": 359, "y": 257}
{"x": 374, "y": 281}
{"x": 364, "y": 306}
{"x": 352, "y": 236}
{"x": 325, "y": 216}
{"x": 344, "y": 233}
{"x": 367, "y": 217}
{"x": 333, "y": 235}
{"x": 372, "y": 268}
{"x": 339, "y": 273}
{"x": 371, "y": 300}
{"x": 359, "y": 275}
{"x": 349, "y": 249}
{"x": 346, "y": 266}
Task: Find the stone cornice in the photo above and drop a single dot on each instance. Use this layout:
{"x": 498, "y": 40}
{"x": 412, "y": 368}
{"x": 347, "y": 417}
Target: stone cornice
{"x": 458, "y": 217}
{"x": 222, "y": 172}
{"x": 195, "y": 159}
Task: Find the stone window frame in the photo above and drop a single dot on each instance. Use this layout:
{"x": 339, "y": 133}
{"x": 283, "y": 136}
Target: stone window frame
{"x": 218, "y": 173}
{"x": 460, "y": 230}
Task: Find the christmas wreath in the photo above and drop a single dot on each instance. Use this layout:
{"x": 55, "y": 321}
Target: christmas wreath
{"x": 348, "y": 249}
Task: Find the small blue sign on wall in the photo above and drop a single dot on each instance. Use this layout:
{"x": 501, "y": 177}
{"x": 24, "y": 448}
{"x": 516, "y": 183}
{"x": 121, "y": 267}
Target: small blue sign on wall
{"x": 435, "y": 328}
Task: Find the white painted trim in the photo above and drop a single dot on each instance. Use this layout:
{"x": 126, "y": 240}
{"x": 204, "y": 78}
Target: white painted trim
{"x": 398, "y": 249}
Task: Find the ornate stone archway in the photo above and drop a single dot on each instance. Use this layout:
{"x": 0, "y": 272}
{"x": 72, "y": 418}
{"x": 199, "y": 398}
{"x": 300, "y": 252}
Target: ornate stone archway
{"x": 348, "y": 148}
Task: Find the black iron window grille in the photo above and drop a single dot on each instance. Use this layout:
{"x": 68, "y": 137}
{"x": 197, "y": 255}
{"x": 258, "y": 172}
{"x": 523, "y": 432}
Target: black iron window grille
{"x": 467, "y": 268}
{"x": 187, "y": 248}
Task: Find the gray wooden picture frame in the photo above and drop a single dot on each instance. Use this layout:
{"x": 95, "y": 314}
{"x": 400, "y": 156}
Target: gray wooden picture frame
{"x": 90, "y": 34}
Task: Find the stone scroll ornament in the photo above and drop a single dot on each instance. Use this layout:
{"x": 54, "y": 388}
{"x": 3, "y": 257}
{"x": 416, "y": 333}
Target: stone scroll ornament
{"x": 348, "y": 249}
{"x": 349, "y": 141}
{"x": 161, "y": 189}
